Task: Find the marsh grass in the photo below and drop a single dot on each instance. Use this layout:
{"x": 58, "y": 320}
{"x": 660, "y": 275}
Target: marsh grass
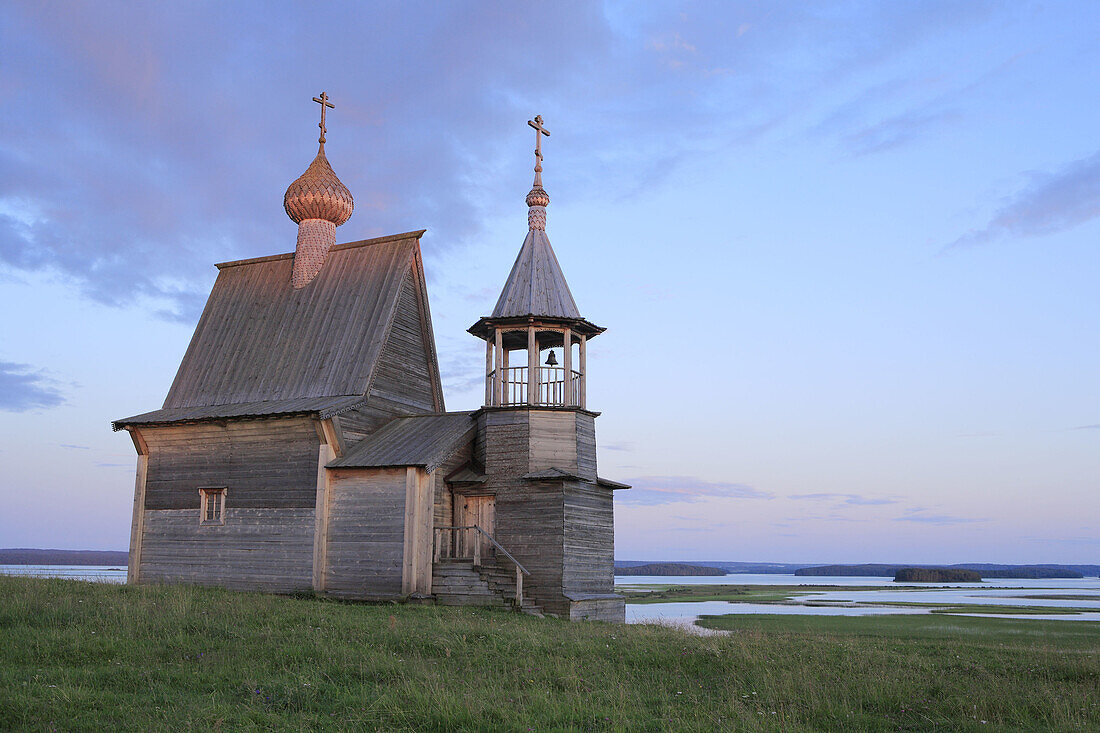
{"x": 89, "y": 657}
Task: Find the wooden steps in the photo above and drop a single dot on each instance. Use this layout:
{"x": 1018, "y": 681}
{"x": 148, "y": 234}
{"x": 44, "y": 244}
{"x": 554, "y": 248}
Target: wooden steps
{"x": 458, "y": 583}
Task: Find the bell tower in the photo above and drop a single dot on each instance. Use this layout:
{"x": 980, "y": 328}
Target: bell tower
{"x": 536, "y": 438}
{"x": 536, "y": 314}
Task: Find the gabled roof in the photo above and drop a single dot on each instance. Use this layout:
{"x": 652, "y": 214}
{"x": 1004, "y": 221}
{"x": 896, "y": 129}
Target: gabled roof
{"x": 536, "y": 285}
{"x": 416, "y": 440}
{"x": 321, "y": 407}
{"x": 259, "y": 339}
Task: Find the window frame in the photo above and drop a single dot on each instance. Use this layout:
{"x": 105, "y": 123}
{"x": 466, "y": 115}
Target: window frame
{"x": 216, "y": 494}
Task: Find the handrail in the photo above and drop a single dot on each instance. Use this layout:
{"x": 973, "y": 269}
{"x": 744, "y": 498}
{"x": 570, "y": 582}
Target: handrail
{"x": 495, "y": 544}
{"x": 506, "y": 553}
{"x": 520, "y": 570}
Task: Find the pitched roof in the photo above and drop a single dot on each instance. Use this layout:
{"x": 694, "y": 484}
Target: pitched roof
{"x": 322, "y": 407}
{"x": 416, "y": 440}
{"x": 536, "y": 285}
{"x": 259, "y": 339}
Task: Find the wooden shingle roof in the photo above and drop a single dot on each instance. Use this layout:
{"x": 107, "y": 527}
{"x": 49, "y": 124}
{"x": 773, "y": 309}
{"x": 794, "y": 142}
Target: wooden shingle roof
{"x": 260, "y": 340}
{"x": 321, "y": 407}
{"x": 416, "y": 440}
{"x": 536, "y": 286}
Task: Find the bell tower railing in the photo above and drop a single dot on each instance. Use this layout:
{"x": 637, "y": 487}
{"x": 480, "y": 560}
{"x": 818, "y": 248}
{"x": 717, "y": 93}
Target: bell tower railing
{"x": 550, "y": 388}
{"x": 549, "y": 385}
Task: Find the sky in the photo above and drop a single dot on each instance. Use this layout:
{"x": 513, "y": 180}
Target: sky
{"x": 847, "y": 253}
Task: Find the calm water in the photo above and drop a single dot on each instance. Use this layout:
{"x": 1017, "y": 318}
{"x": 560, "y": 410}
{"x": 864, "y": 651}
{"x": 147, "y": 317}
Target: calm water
{"x": 824, "y": 601}
{"x": 98, "y": 573}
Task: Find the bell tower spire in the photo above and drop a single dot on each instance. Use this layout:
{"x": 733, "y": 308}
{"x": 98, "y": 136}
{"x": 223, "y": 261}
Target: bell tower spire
{"x": 537, "y": 199}
{"x": 535, "y": 313}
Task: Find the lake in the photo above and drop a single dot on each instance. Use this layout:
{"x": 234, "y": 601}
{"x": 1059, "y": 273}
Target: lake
{"x": 97, "y": 573}
{"x": 822, "y": 601}
{"x": 825, "y": 601}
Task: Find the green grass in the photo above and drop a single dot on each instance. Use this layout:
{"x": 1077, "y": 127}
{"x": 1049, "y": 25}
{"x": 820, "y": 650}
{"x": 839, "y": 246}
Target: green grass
{"x": 88, "y": 657}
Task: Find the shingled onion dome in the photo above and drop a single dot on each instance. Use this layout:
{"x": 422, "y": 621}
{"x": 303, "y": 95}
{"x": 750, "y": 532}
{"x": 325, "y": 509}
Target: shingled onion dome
{"x": 317, "y": 202}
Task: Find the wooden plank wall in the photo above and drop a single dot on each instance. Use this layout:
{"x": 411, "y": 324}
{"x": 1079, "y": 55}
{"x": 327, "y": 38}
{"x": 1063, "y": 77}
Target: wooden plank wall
{"x": 589, "y": 542}
{"x": 402, "y": 384}
{"x": 263, "y": 463}
{"x": 256, "y": 549}
{"x": 586, "y": 445}
{"x": 529, "y": 515}
{"x": 443, "y": 503}
{"x": 366, "y": 533}
{"x": 403, "y": 374}
{"x": 269, "y": 468}
{"x": 553, "y": 442}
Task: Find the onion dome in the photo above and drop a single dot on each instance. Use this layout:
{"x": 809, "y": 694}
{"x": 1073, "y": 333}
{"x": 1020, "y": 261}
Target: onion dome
{"x": 319, "y": 194}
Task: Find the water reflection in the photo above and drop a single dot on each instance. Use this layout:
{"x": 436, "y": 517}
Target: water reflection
{"x": 816, "y": 599}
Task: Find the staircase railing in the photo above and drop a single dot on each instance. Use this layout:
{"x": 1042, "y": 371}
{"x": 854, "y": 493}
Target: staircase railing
{"x": 465, "y": 543}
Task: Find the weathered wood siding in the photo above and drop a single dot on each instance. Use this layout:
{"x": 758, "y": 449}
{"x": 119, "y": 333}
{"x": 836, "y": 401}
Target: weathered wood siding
{"x": 529, "y": 524}
{"x": 528, "y": 515}
{"x": 443, "y": 509}
{"x": 405, "y": 382}
{"x": 366, "y": 533}
{"x": 589, "y": 542}
{"x": 263, "y": 463}
{"x": 256, "y": 549}
{"x": 553, "y": 440}
{"x": 586, "y": 445}
{"x": 404, "y": 373}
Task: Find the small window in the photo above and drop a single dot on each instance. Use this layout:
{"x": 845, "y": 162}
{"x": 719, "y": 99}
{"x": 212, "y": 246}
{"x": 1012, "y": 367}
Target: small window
{"x": 212, "y": 506}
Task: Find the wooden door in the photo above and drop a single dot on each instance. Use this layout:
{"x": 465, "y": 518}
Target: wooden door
{"x": 477, "y": 510}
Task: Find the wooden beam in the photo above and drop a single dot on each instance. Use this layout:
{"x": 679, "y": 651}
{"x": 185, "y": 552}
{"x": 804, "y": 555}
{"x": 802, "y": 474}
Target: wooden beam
{"x": 333, "y": 435}
{"x": 140, "y": 445}
{"x": 532, "y": 367}
{"x": 582, "y": 354}
{"x": 488, "y": 372}
{"x": 498, "y": 381}
{"x": 137, "y": 527}
{"x": 412, "y": 548}
{"x": 567, "y": 364}
{"x": 325, "y": 454}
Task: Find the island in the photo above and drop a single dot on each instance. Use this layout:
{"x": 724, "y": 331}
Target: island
{"x": 668, "y": 568}
{"x": 986, "y": 570}
{"x": 936, "y": 575}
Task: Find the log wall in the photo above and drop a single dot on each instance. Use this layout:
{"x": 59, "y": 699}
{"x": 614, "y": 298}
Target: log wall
{"x": 589, "y": 542}
{"x": 263, "y": 463}
{"x": 256, "y": 549}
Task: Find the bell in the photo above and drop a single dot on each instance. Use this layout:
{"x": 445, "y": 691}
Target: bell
{"x": 551, "y": 360}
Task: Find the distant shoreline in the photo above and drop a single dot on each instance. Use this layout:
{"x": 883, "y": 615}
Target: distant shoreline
{"x": 31, "y": 556}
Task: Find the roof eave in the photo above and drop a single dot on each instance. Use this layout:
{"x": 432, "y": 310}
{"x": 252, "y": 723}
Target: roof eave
{"x": 484, "y": 326}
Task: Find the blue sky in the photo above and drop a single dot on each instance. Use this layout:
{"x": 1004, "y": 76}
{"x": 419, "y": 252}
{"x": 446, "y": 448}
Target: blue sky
{"x": 847, "y": 253}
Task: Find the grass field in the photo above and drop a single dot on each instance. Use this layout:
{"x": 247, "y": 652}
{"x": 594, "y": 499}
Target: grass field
{"x": 89, "y": 657}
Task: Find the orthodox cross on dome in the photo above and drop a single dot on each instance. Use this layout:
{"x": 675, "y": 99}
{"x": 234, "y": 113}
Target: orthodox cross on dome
{"x": 539, "y": 132}
{"x": 323, "y": 101}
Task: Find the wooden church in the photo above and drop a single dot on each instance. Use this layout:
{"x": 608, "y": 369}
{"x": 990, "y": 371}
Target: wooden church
{"x": 304, "y": 444}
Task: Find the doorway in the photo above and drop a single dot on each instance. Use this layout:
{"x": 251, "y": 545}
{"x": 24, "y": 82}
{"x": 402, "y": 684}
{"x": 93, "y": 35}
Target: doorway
{"x": 479, "y": 510}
